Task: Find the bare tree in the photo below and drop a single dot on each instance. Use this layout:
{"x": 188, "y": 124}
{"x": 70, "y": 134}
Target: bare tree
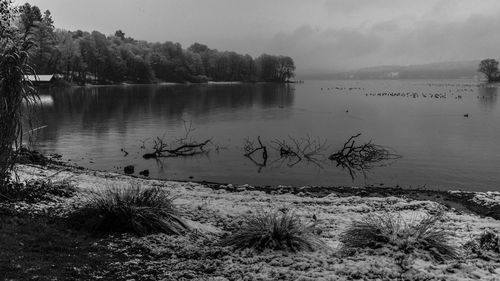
{"x": 489, "y": 67}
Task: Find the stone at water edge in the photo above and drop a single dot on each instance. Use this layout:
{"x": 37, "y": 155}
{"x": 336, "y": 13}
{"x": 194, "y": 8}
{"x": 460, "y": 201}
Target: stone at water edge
{"x": 128, "y": 169}
{"x": 144, "y": 173}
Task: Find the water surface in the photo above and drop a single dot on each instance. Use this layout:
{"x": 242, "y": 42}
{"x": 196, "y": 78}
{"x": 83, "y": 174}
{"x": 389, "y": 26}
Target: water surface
{"x": 422, "y": 120}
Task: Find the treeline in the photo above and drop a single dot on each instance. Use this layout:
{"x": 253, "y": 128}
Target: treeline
{"x": 93, "y": 57}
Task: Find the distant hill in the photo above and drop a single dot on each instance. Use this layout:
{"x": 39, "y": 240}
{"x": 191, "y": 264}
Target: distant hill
{"x": 457, "y": 69}
{"x": 439, "y": 70}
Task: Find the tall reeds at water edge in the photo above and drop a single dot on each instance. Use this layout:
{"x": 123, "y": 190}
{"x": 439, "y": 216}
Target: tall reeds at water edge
{"x": 17, "y": 94}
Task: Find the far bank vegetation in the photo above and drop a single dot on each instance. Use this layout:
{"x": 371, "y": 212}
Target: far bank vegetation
{"x": 92, "y": 57}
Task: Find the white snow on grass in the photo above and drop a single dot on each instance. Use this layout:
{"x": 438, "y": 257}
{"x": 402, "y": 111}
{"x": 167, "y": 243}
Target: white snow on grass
{"x": 212, "y": 212}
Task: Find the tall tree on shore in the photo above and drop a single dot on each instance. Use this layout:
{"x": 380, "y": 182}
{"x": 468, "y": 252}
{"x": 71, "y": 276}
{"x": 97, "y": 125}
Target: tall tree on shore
{"x": 30, "y": 17}
{"x": 275, "y": 68}
{"x": 40, "y": 29}
{"x": 489, "y": 67}
{"x": 286, "y": 68}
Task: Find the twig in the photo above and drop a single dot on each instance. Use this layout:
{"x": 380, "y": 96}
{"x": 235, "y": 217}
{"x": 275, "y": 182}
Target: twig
{"x": 56, "y": 173}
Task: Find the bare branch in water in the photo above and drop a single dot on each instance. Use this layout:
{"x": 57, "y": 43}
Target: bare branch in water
{"x": 307, "y": 148}
{"x": 250, "y": 150}
{"x": 182, "y": 147}
{"x": 359, "y": 158}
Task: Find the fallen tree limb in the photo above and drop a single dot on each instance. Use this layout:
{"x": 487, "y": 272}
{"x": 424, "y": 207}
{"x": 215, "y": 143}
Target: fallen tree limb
{"x": 161, "y": 149}
{"x": 188, "y": 149}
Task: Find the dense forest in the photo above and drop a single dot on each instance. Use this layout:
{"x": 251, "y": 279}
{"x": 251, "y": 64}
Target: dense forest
{"x": 92, "y": 57}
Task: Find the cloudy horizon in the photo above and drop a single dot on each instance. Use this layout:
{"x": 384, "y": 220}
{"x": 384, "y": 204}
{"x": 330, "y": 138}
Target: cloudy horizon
{"x": 321, "y": 36}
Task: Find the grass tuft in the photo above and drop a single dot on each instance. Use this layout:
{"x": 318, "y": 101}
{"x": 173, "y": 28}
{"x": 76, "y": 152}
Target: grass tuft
{"x": 484, "y": 245}
{"x": 375, "y": 231}
{"x": 131, "y": 209}
{"x": 277, "y": 231}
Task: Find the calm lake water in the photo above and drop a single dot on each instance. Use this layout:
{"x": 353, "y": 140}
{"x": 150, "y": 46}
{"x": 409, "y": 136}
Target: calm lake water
{"x": 421, "y": 120}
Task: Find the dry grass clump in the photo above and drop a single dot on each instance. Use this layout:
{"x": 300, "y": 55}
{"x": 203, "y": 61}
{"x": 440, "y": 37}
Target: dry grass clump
{"x": 132, "y": 209}
{"x": 485, "y": 246}
{"x": 376, "y": 231}
{"x": 275, "y": 230}
{"x": 489, "y": 241}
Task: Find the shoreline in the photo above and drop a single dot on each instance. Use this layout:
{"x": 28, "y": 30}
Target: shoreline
{"x": 486, "y": 204}
{"x": 66, "y": 84}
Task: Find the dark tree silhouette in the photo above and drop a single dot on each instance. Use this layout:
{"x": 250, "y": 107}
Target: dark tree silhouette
{"x": 489, "y": 67}
{"x": 93, "y": 57}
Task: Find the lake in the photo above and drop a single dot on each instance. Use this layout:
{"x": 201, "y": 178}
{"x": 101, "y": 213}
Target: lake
{"x": 447, "y": 132}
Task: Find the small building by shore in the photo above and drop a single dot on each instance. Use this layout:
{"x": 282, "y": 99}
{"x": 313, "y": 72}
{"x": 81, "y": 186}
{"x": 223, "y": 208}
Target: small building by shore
{"x": 42, "y": 80}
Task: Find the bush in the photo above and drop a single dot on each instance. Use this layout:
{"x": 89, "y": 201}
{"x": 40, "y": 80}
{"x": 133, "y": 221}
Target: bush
{"x": 277, "y": 231}
{"x": 36, "y": 190}
{"x": 132, "y": 209}
{"x": 483, "y": 243}
{"x": 489, "y": 241}
{"x": 376, "y": 231}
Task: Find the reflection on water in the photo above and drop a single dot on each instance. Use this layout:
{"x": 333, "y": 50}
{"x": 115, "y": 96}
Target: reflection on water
{"x": 423, "y": 121}
{"x": 46, "y": 100}
{"x": 101, "y": 108}
{"x": 487, "y": 96}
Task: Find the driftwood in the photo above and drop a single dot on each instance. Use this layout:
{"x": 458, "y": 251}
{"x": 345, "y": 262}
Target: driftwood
{"x": 250, "y": 150}
{"x": 184, "y": 149}
{"x": 362, "y": 157}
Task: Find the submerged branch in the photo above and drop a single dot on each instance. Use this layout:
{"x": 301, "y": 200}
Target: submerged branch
{"x": 308, "y": 149}
{"x": 362, "y": 157}
{"x": 250, "y": 150}
{"x": 185, "y": 148}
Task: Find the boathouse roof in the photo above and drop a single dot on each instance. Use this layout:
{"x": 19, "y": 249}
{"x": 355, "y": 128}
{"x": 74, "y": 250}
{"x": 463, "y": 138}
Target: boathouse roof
{"x": 40, "y": 78}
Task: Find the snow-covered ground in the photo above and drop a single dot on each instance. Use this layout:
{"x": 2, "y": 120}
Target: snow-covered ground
{"x": 212, "y": 212}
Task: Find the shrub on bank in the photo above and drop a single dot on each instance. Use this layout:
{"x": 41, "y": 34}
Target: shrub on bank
{"x": 485, "y": 246}
{"x": 132, "y": 209}
{"x": 376, "y": 231}
{"x": 277, "y": 231}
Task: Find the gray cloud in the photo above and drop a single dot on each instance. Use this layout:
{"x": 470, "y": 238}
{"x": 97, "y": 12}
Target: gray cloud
{"x": 391, "y": 42}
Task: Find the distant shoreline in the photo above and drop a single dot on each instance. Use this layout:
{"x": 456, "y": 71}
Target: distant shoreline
{"x": 61, "y": 83}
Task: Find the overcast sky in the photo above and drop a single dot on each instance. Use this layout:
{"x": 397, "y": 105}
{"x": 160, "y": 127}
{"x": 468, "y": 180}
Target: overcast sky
{"x": 319, "y": 35}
